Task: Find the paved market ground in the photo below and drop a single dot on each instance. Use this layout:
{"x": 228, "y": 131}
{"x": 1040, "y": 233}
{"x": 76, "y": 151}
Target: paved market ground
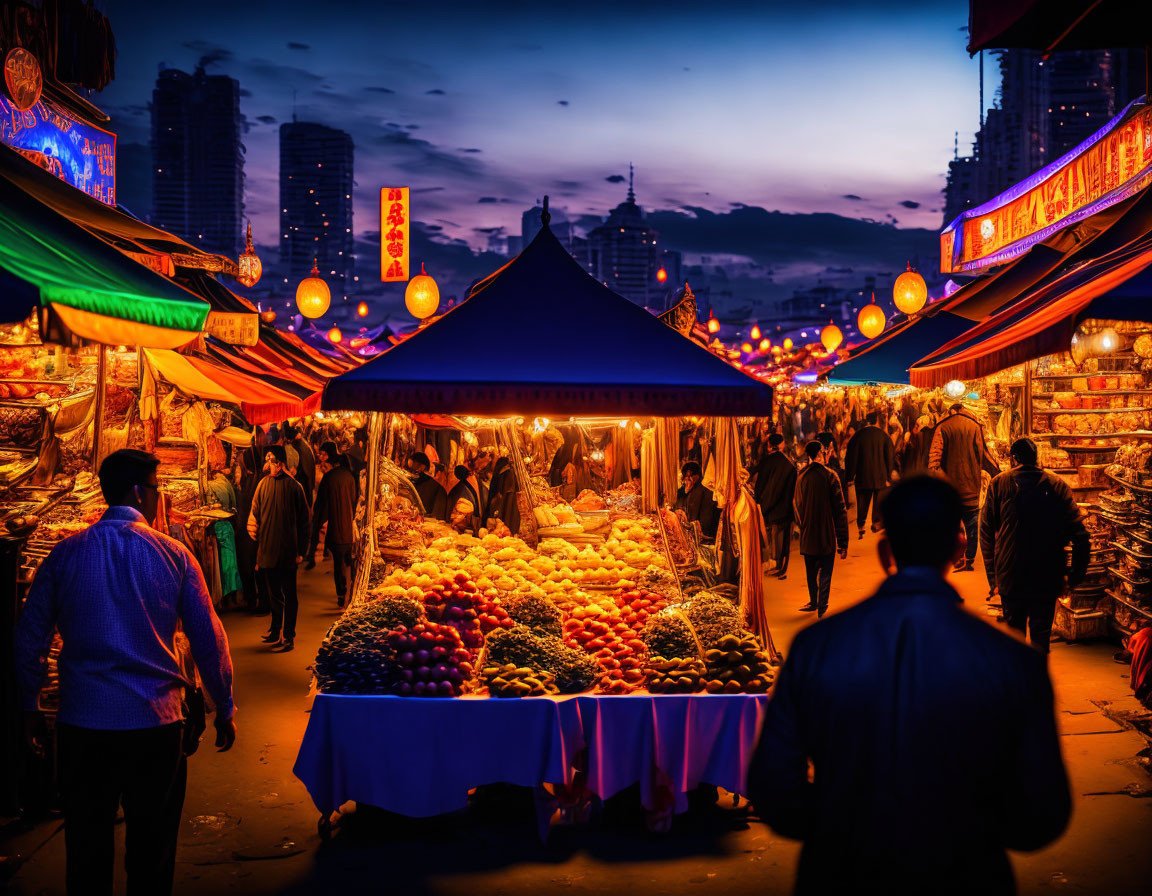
{"x": 250, "y": 826}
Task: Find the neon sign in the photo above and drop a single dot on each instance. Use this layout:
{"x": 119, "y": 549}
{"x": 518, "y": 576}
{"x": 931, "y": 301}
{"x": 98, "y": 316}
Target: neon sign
{"x": 78, "y": 153}
{"x": 1111, "y": 165}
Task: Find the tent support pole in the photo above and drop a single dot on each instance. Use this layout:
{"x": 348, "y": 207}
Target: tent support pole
{"x": 98, "y": 416}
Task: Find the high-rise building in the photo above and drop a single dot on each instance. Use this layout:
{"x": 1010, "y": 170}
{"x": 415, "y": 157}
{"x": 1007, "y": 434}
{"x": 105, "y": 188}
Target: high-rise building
{"x": 622, "y": 252}
{"x": 1043, "y": 108}
{"x": 198, "y": 159}
{"x": 316, "y": 204}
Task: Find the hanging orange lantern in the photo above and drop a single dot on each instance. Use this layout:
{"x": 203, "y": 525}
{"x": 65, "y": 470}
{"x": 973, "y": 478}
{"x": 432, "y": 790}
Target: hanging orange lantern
{"x": 248, "y": 266}
{"x": 422, "y": 297}
{"x": 362, "y": 309}
{"x": 661, "y": 276}
{"x": 765, "y": 345}
{"x": 334, "y": 335}
{"x": 910, "y": 292}
{"x": 268, "y": 316}
{"x": 755, "y": 334}
{"x": 871, "y": 320}
{"x": 831, "y": 337}
{"x": 312, "y": 295}
{"x": 713, "y": 325}
{"x": 746, "y": 348}
{"x": 788, "y": 343}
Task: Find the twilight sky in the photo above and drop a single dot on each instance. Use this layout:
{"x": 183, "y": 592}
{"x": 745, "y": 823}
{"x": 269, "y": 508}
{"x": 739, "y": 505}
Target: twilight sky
{"x": 838, "y": 107}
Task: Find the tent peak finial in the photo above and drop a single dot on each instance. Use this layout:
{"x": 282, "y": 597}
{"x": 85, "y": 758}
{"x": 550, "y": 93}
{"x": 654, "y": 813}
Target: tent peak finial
{"x": 545, "y": 215}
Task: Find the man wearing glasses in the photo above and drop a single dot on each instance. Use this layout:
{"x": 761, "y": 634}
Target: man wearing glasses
{"x": 117, "y": 593}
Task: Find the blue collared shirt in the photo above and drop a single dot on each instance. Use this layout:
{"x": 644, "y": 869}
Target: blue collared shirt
{"x": 117, "y": 592}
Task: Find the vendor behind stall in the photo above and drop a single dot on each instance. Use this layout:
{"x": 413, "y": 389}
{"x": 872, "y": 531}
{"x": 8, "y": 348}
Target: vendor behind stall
{"x": 696, "y": 501}
{"x": 464, "y": 491}
{"x": 432, "y": 494}
{"x": 221, "y": 492}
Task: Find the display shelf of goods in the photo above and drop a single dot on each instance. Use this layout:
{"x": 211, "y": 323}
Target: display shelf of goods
{"x": 1132, "y": 552}
{"x": 572, "y": 670}
{"x": 737, "y": 664}
{"x": 512, "y": 681}
{"x": 668, "y": 634}
{"x": 677, "y": 675}
{"x": 603, "y": 634}
{"x": 1128, "y": 602}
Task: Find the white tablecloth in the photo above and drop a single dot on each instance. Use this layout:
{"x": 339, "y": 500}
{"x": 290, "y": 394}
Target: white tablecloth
{"x": 421, "y": 756}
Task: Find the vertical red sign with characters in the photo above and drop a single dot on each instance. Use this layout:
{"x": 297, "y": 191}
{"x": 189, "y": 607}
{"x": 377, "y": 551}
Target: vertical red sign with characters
{"x": 394, "y": 217}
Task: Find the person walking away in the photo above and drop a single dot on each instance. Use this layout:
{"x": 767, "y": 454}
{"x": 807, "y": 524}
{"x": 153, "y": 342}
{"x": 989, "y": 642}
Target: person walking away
{"x": 823, "y": 522}
{"x": 336, "y": 505}
{"x": 775, "y": 491}
{"x": 222, "y": 493}
{"x": 960, "y": 453}
{"x": 116, "y": 592}
{"x": 696, "y": 500}
{"x": 250, "y": 472}
{"x": 278, "y": 523}
{"x": 871, "y": 459}
{"x": 907, "y": 742}
{"x": 306, "y": 468}
{"x": 913, "y": 455}
{"x": 432, "y": 494}
{"x": 1029, "y": 517}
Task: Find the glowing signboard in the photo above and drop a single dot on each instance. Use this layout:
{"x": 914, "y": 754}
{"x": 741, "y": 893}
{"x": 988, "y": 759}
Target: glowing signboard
{"x": 76, "y": 152}
{"x": 1111, "y": 165}
{"x": 394, "y": 248}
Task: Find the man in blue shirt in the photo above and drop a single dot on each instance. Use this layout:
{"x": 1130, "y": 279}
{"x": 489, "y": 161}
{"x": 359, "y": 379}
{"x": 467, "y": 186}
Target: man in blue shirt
{"x": 117, "y": 592}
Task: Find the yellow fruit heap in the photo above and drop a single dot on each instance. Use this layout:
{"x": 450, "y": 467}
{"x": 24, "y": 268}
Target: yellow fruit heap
{"x": 737, "y": 665}
{"x": 518, "y": 681}
{"x": 675, "y": 676}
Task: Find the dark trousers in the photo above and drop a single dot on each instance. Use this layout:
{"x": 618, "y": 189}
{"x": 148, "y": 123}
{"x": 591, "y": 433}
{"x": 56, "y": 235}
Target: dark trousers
{"x": 255, "y": 594}
{"x": 865, "y": 498}
{"x": 342, "y": 567}
{"x": 1032, "y": 613}
{"x": 818, "y": 568}
{"x": 281, "y": 586}
{"x": 971, "y": 518}
{"x": 780, "y": 541}
{"x": 143, "y": 769}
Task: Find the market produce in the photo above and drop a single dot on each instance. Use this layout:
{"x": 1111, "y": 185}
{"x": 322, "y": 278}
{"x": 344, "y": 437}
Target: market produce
{"x": 430, "y": 661}
{"x": 668, "y": 634}
{"x": 537, "y": 613}
{"x": 512, "y": 681}
{"x": 736, "y": 664}
{"x": 458, "y": 602}
{"x": 603, "y": 634}
{"x": 683, "y": 675}
{"x": 637, "y": 604}
{"x": 519, "y": 646}
{"x": 713, "y": 617}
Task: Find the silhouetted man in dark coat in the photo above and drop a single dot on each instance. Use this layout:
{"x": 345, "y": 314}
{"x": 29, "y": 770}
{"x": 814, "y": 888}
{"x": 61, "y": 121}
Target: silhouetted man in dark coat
{"x": 870, "y": 459}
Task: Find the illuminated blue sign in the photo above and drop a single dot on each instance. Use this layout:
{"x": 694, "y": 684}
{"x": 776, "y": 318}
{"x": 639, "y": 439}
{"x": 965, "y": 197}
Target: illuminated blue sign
{"x": 76, "y": 152}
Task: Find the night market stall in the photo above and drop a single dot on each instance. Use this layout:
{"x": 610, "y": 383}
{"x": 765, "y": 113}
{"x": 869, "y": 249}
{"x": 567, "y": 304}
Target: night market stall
{"x": 575, "y": 657}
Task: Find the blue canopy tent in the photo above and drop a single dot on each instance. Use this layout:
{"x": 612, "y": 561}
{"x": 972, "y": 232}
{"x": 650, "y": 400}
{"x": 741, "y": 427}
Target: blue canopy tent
{"x": 542, "y": 337}
{"x": 887, "y": 360}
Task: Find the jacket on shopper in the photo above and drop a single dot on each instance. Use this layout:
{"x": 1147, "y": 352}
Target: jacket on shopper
{"x": 934, "y": 743}
{"x": 433, "y": 496}
{"x": 960, "y": 453}
{"x": 1029, "y": 516}
{"x": 278, "y": 522}
{"x": 820, "y": 511}
{"x": 699, "y": 504}
{"x": 913, "y": 456}
{"x": 776, "y": 487}
{"x": 335, "y": 505}
{"x": 870, "y": 458}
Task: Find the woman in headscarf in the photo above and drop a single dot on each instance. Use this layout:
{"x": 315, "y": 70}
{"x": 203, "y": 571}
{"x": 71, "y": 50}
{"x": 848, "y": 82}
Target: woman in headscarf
{"x": 464, "y": 492}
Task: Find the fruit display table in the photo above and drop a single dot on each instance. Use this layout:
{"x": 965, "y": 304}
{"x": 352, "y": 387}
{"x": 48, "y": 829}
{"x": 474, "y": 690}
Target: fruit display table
{"x": 421, "y": 756}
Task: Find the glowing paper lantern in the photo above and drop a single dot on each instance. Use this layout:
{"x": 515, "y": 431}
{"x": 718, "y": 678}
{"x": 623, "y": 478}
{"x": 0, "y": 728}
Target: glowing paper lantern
{"x": 746, "y": 348}
{"x": 268, "y": 316}
{"x": 910, "y": 292}
{"x": 831, "y": 337}
{"x": 661, "y": 276}
{"x": 312, "y": 295}
{"x": 713, "y": 325}
{"x": 788, "y": 343}
{"x": 334, "y": 335}
{"x": 765, "y": 344}
{"x": 954, "y": 389}
{"x": 755, "y": 334}
{"x": 362, "y": 309}
{"x": 248, "y": 264}
{"x": 871, "y": 320}
{"x": 422, "y": 297}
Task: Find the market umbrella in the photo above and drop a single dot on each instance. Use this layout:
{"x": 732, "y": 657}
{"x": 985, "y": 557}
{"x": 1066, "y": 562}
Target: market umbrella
{"x": 554, "y": 342}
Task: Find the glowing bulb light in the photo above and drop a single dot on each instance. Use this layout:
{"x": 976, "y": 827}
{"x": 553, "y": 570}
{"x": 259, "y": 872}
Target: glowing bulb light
{"x": 871, "y": 321}
{"x": 334, "y": 335}
{"x": 765, "y": 345}
{"x": 362, "y": 309}
{"x": 312, "y": 295}
{"x": 831, "y": 337}
{"x": 910, "y": 292}
{"x": 755, "y": 334}
{"x": 788, "y": 343}
{"x": 746, "y": 348}
{"x": 661, "y": 276}
{"x": 954, "y": 389}
{"x": 422, "y": 297}
{"x": 713, "y": 325}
